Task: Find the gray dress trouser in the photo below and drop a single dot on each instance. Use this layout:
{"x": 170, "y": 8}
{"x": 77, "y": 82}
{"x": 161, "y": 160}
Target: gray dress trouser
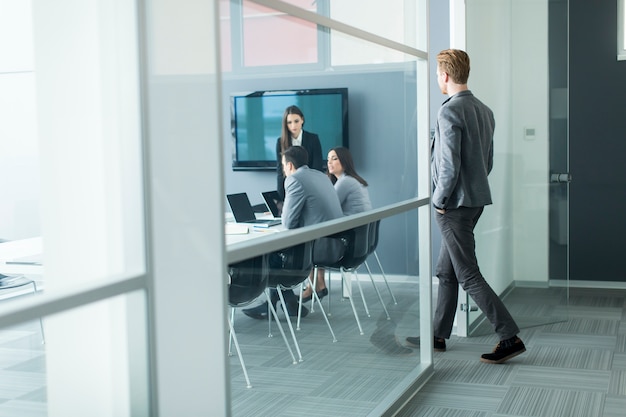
{"x": 456, "y": 265}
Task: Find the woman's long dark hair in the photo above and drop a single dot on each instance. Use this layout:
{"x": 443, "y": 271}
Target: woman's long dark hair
{"x": 285, "y": 135}
{"x": 345, "y": 158}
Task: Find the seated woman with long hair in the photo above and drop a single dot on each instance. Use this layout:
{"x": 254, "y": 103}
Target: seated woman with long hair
{"x": 352, "y": 191}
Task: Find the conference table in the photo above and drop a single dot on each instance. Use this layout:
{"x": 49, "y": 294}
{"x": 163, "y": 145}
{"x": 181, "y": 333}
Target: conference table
{"x": 240, "y": 232}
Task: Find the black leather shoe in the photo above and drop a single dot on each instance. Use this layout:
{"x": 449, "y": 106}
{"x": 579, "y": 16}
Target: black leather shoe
{"x": 258, "y": 312}
{"x": 320, "y": 294}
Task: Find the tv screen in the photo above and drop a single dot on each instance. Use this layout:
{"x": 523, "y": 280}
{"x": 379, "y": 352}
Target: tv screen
{"x": 256, "y": 119}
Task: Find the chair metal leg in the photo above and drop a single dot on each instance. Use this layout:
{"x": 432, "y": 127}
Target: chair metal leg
{"x": 313, "y": 287}
{"x": 272, "y": 311}
{"x": 328, "y": 284}
{"x": 356, "y": 316}
{"x": 230, "y": 336}
{"x": 43, "y": 337}
{"x": 243, "y": 365}
{"x": 316, "y": 297}
{"x": 382, "y": 271}
{"x": 293, "y": 334}
{"x": 300, "y": 307}
{"x": 358, "y": 282}
{"x": 377, "y": 292}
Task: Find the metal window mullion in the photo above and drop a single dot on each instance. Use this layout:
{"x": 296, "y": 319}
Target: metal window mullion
{"x": 21, "y": 310}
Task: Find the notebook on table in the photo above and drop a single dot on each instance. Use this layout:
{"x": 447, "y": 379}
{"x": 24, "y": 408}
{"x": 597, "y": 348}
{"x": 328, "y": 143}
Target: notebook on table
{"x": 243, "y": 212}
{"x": 271, "y": 201}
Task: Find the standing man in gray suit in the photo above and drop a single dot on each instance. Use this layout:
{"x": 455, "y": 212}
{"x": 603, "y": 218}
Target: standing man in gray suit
{"x": 461, "y": 160}
{"x": 310, "y": 198}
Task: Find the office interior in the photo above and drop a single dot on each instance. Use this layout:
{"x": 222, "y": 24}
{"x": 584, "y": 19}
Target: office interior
{"x": 121, "y": 160}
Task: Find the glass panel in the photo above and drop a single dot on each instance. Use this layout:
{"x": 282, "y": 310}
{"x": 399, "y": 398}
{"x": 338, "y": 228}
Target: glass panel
{"x": 98, "y": 350}
{"x": 19, "y": 149}
{"x": 345, "y": 361}
{"x": 274, "y": 38}
{"x": 19, "y": 158}
{"x": 522, "y": 238}
{"x": 345, "y": 51}
{"x": 16, "y": 36}
{"x": 394, "y": 20}
{"x": 226, "y": 50}
{"x": 382, "y": 112}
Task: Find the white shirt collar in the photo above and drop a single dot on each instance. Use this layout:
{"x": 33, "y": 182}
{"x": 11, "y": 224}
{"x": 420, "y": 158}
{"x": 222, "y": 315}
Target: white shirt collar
{"x": 297, "y": 141}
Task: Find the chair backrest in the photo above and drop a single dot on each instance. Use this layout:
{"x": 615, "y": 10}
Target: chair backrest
{"x": 329, "y": 250}
{"x": 248, "y": 280}
{"x": 290, "y": 266}
{"x": 356, "y": 248}
{"x": 372, "y": 236}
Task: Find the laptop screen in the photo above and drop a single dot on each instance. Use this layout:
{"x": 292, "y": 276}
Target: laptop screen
{"x": 272, "y": 199}
{"x": 241, "y": 208}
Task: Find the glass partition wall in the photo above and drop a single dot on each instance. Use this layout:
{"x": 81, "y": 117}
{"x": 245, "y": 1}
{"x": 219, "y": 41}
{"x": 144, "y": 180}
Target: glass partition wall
{"x": 132, "y": 118}
{"x": 522, "y": 239}
{"x": 268, "y": 48}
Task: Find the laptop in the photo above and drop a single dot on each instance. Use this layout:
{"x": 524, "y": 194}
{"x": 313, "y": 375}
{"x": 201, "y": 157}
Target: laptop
{"x": 271, "y": 201}
{"x": 243, "y": 212}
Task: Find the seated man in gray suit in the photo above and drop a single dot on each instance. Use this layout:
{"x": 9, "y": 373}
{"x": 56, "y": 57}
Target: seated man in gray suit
{"x": 310, "y": 198}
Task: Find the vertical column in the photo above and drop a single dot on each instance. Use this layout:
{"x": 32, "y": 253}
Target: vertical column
{"x": 185, "y": 207}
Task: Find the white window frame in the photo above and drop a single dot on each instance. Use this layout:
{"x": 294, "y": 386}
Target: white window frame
{"x": 621, "y": 30}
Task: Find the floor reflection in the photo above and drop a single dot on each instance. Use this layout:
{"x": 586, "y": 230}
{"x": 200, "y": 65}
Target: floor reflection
{"x": 529, "y": 307}
{"x": 348, "y": 378}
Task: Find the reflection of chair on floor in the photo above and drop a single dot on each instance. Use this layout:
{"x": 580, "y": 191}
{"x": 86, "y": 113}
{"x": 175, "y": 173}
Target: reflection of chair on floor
{"x": 9, "y": 282}
{"x": 248, "y": 280}
{"x": 289, "y": 268}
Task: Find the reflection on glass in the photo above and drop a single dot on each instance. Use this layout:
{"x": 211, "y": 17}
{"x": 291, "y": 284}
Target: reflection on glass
{"x": 360, "y": 355}
{"x": 116, "y": 355}
{"x": 275, "y": 38}
{"x": 382, "y": 114}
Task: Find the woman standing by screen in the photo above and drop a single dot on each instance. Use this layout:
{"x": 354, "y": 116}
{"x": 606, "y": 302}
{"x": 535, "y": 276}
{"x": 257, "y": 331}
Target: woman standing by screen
{"x": 292, "y": 135}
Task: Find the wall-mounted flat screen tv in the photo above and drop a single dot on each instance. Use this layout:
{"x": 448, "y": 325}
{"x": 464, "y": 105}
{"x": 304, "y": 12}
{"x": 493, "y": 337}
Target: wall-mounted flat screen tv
{"x": 256, "y": 119}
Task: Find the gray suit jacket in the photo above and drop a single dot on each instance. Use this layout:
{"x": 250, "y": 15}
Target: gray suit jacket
{"x": 462, "y": 153}
{"x": 353, "y": 195}
{"x": 310, "y": 198}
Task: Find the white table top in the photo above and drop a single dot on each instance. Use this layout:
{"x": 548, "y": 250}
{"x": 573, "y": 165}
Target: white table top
{"x": 23, "y": 256}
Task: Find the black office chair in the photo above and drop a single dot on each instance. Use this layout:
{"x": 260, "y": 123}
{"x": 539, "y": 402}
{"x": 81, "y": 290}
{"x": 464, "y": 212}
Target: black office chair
{"x": 247, "y": 280}
{"x": 373, "y": 243}
{"x": 288, "y": 269}
{"x": 373, "y": 236}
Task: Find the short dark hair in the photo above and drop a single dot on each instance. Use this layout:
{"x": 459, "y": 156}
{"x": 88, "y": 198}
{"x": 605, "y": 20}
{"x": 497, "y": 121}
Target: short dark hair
{"x": 297, "y": 155}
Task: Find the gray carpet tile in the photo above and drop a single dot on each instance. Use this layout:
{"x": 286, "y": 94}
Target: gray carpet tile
{"x": 531, "y": 401}
{"x": 574, "y": 367}
{"x": 460, "y": 396}
{"x": 562, "y": 378}
{"x": 614, "y": 406}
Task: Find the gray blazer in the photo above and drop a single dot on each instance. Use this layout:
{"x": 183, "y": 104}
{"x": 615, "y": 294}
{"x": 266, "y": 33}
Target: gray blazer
{"x": 310, "y": 198}
{"x": 462, "y": 153}
{"x": 353, "y": 195}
